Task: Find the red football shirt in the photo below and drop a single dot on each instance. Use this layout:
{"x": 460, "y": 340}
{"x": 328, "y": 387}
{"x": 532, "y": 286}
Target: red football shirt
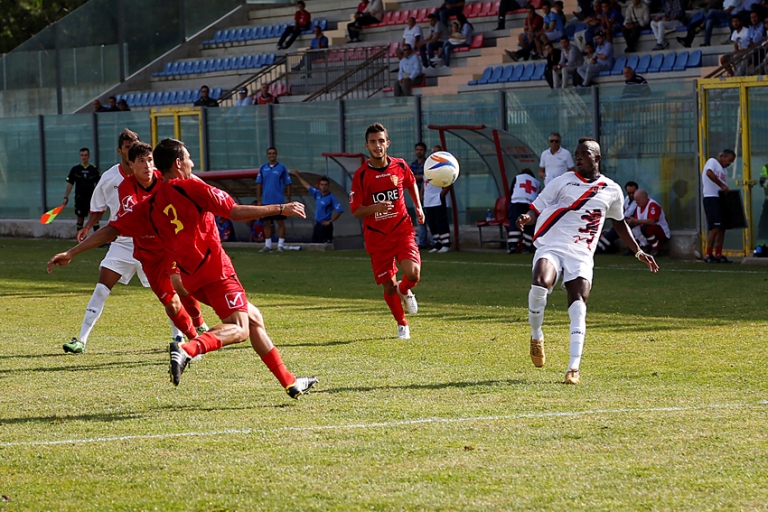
{"x": 372, "y": 185}
{"x": 302, "y": 19}
{"x": 147, "y": 248}
{"x": 182, "y": 214}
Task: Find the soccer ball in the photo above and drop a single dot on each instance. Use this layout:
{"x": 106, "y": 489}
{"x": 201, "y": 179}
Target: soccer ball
{"x": 441, "y": 169}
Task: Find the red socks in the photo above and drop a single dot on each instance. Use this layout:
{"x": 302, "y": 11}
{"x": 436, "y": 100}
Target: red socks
{"x": 193, "y": 309}
{"x": 396, "y": 307}
{"x": 718, "y": 251}
{"x": 275, "y": 364}
{"x": 406, "y": 284}
{"x": 203, "y": 344}
{"x": 182, "y": 322}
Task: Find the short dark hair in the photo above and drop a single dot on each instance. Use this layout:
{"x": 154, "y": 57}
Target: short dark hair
{"x": 138, "y": 150}
{"x": 166, "y": 152}
{"x": 324, "y": 178}
{"x": 431, "y": 15}
{"x": 735, "y": 17}
{"x": 85, "y": 149}
{"x": 301, "y": 3}
{"x": 600, "y": 33}
{"x": 112, "y": 98}
{"x": 528, "y": 172}
{"x": 631, "y": 184}
{"x": 564, "y": 37}
{"x": 271, "y": 148}
{"x": 530, "y": 7}
{"x": 125, "y": 135}
{"x": 420, "y": 144}
{"x": 729, "y": 152}
{"x": 205, "y": 87}
{"x": 545, "y": 3}
{"x": 375, "y": 128}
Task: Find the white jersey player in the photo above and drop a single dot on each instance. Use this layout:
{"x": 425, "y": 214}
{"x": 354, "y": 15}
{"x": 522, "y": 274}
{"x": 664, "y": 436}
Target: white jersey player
{"x": 569, "y": 215}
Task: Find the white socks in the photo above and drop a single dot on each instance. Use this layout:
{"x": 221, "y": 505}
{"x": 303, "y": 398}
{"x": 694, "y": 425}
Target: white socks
{"x": 578, "y": 314}
{"x": 93, "y": 311}
{"x": 281, "y": 242}
{"x": 537, "y": 301}
{"x": 176, "y": 333}
{"x": 268, "y": 242}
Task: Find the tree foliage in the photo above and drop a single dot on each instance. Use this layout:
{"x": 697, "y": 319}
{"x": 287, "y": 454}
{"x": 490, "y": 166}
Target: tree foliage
{"x": 22, "y": 19}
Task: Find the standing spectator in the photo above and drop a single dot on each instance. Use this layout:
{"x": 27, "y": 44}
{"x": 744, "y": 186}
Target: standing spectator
{"x": 570, "y": 59}
{"x": 636, "y": 19}
{"x": 302, "y": 20}
{"x": 602, "y": 61}
{"x": 436, "y": 213}
{"x": 112, "y": 105}
{"x": 370, "y": 16}
{"x": 714, "y": 17}
{"x": 243, "y": 100}
{"x": 461, "y": 36}
{"x": 504, "y": 7}
{"x": 552, "y": 30}
{"x": 762, "y": 226}
{"x": 409, "y": 72}
{"x": 553, "y": 56}
{"x": 417, "y": 167}
{"x": 327, "y": 208}
{"x": 714, "y": 183}
{"x": 98, "y": 107}
{"x": 605, "y": 244}
{"x": 438, "y": 35}
{"x": 273, "y": 186}
{"x": 84, "y": 178}
{"x": 122, "y": 105}
{"x": 450, "y": 8}
{"x": 635, "y": 86}
{"x": 525, "y": 189}
{"x": 526, "y": 41}
{"x": 555, "y": 161}
{"x": 205, "y": 100}
{"x": 412, "y": 35}
{"x": 226, "y": 229}
{"x": 649, "y": 222}
{"x": 740, "y": 38}
{"x": 263, "y": 97}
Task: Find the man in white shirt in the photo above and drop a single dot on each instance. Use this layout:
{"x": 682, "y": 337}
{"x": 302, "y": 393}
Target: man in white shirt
{"x": 555, "y": 161}
{"x": 409, "y": 72}
{"x": 569, "y": 215}
{"x": 740, "y": 38}
{"x": 714, "y": 180}
{"x": 649, "y": 222}
{"x": 412, "y": 35}
{"x": 524, "y": 191}
{"x": 436, "y": 212}
{"x": 243, "y": 100}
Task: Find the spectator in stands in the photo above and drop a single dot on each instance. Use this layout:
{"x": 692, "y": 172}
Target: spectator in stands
{"x": 205, "y": 100}
{"x": 98, "y": 107}
{"x": 553, "y": 28}
{"x": 302, "y": 20}
{"x": 450, "y": 8}
{"x": 609, "y": 237}
{"x": 557, "y": 8}
{"x": 417, "y": 167}
{"x": 461, "y": 36}
{"x": 226, "y": 229}
{"x": 264, "y": 97}
{"x": 602, "y": 61}
{"x": 635, "y": 86}
{"x": 636, "y": 19}
{"x": 319, "y": 42}
{"x": 275, "y": 183}
{"x": 438, "y": 35}
{"x": 756, "y": 29}
{"x": 112, "y": 105}
{"x": 123, "y": 106}
{"x": 593, "y": 23}
{"x": 714, "y": 17}
{"x": 409, "y": 72}
{"x": 649, "y": 222}
{"x": 570, "y": 59}
{"x": 673, "y": 17}
{"x": 526, "y": 42}
{"x": 740, "y": 38}
{"x": 371, "y": 15}
{"x": 412, "y": 35}
{"x": 761, "y": 8}
{"x": 585, "y": 10}
{"x": 553, "y": 56}
{"x": 243, "y": 99}
{"x": 327, "y": 208}
{"x": 610, "y": 18}
{"x": 524, "y": 191}
{"x": 506, "y": 6}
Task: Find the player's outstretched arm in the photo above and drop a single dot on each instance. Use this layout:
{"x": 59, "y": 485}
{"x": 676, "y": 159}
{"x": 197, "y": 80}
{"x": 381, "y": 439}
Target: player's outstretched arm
{"x": 626, "y": 235}
{"x": 93, "y": 219}
{"x": 525, "y": 219}
{"x": 242, "y": 212}
{"x": 100, "y": 237}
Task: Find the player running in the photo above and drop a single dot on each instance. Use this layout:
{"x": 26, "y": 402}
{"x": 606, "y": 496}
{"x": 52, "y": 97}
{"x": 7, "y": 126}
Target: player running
{"x": 569, "y": 217}
{"x": 181, "y": 213}
{"x": 377, "y": 198}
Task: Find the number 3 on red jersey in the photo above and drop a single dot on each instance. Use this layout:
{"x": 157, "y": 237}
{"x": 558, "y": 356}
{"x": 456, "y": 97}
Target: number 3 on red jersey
{"x": 170, "y": 211}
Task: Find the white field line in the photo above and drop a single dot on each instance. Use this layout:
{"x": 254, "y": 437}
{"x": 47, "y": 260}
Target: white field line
{"x": 384, "y": 424}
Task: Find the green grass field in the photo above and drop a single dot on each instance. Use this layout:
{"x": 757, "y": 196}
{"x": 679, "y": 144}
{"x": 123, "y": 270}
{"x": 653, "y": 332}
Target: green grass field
{"x": 671, "y": 414}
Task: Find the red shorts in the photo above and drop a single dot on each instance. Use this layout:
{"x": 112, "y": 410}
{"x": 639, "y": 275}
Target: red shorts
{"x": 384, "y": 263}
{"x": 225, "y": 296}
{"x": 157, "y": 273}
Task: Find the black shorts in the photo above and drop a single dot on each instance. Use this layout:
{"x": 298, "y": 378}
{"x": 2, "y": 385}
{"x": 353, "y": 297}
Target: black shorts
{"x": 274, "y": 217}
{"x": 82, "y": 208}
{"x": 714, "y": 212}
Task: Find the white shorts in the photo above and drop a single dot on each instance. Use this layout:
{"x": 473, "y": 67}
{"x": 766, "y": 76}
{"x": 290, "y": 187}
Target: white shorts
{"x": 120, "y": 259}
{"x": 568, "y": 265}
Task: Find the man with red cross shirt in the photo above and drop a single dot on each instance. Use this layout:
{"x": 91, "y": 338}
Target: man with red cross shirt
{"x": 377, "y": 198}
{"x": 524, "y": 191}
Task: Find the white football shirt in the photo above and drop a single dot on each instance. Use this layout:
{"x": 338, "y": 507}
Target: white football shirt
{"x": 431, "y": 195}
{"x": 572, "y": 211}
{"x": 709, "y": 187}
{"x": 105, "y": 196}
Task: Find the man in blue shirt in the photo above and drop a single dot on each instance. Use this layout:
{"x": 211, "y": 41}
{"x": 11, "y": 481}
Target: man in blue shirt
{"x": 273, "y": 186}
{"x": 602, "y": 61}
{"x": 417, "y": 167}
{"x": 327, "y": 209}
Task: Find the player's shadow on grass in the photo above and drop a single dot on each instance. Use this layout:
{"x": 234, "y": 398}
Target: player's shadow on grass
{"x": 420, "y": 387}
{"x": 102, "y": 417}
{"x": 112, "y": 365}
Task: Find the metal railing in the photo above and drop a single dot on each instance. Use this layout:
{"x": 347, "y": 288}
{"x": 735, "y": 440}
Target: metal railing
{"x": 750, "y": 62}
{"x": 353, "y": 73}
{"x": 269, "y": 75}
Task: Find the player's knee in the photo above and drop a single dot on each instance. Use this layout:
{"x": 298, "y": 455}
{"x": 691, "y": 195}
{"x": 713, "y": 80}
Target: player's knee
{"x": 390, "y": 287}
{"x": 174, "y": 307}
{"x": 413, "y": 275}
{"x": 255, "y": 318}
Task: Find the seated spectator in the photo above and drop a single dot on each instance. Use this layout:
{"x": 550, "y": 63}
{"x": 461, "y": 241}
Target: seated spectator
{"x": 757, "y": 31}
{"x": 714, "y": 17}
{"x": 602, "y": 61}
{"x": 526, "y": 42}
{"x": 302, "y": 20}
{"x": 552, "y": 30}
{"x": 649, "y": 222}
{"x": 123, "y": 106}
{"x": 370, "y": 16}
{"x": 506, "y": 6}
{"x": 98, "y": 107}
{"x": 593, "y": 23}
{"x": 609, "y": 237}
{"x": 636, "y": 19}
{"x": 438, "y": 35}
{"x": 264, "y": 97}
{"x": 740, "y": 38}
{"x": 112, "y": 105}
{"x": 257, "y": 229}
{"x": 412, "y": 35}
{"x": 243, "y": 100}
{"x": 319, "y": 42}
{"x": 409, "y": 72}
{"x": 205, "y": 100}
{"x": 557, "y": 7}
{"x": 461, "y": 35}
{"x": 610, "y": 18}
{"x": 226, "y": 229}
{"x": 450, "y": 8}
{"x": 327, "y": 208}
{"x": 586, "y": 10}
{"x": 635, "y": 86}
{"x": 570, "y": 59}
{"x": 673, "y": 17}
{"x": 553, "y": 59}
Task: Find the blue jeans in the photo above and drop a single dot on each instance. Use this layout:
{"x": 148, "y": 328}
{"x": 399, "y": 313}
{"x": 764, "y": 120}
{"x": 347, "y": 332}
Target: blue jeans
{"x": 714, "y": 17}
{"x": 428, "y": 51}
{"x": 448, "y": 48}
{"x": 425, "y": 240}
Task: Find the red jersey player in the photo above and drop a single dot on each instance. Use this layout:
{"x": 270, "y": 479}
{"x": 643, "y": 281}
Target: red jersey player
{"x": 181, "y": 213}
{"x": 377, "y": 198}
{"x": 149, "y": 250}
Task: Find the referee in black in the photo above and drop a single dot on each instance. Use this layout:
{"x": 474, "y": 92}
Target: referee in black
{"x": 84, "y": 178}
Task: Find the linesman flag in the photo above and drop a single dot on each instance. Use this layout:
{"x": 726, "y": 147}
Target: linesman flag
{"x": 48, "y": 216}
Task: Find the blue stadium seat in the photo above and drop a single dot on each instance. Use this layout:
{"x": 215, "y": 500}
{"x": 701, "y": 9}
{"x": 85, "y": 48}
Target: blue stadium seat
{"x": 238, "y": 37}
{"x": 281, "y": 29}
{"x": 217, "y": 64}
{"x": 218, "y": 37}
{"x": 517, "y": 73}
{"x": 323, "y": 24}
{"x": 618, "y": 66}
{"x": 508, "y": 70}
{"x": 656, "y": 63}
{"x": 694, "y": 61}
{"x": 681, "y": 62}
{"x": 151, "y": 99}
{"x": 632, "y": 61}
{"x": 642, "y": 66}
{"x": 261, "y": 33}
{"x": 216, "y": 93}
{"x": 226, "y": 64}
{"x": 196, "y": 66}
{"x": 228, "y": 35}
{"x": 484, "y": 78}
{"x": 496, "y": 75}
{"x": 257, "y": 60}
{"x": 527, "y": 72}
{"x": 269, "y": 59}
{"x": 172, "y": 96}
{"x": 646, "y": 32}
{"x": 271, "y": 29}
{"x": 192, "y": 96}
{"x": 248, "y": 33}
{"x": 239, "y": 61}
{"x": 669, "y": 62}
{"x": 165, "y": 70}
{"x": 538, "y": 72}
{"x": 164, "y": 97}
{"x": 248, "y": 62}
{"x": 174, "y": 69}
{"x": 129, "y": 99}
{"x": 184, "y": 67}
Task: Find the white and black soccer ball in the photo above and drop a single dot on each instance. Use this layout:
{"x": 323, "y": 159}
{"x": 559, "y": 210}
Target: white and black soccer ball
{"x": 441, "y": 169}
